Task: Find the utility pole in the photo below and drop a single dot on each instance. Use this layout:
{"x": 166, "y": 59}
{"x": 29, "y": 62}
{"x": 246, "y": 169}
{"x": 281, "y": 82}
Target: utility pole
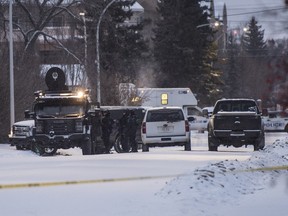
{"x": 97, "y": 61}
{"x": 11, "y": 66}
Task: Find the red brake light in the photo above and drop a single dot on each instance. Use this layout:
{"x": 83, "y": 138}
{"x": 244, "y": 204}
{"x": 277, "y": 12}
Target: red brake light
{"x": 187, "y": 126}
{"x": 144, "y": 127}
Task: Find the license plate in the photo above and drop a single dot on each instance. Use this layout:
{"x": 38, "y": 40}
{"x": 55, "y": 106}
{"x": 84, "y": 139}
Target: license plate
{"x": 165, "y": 129}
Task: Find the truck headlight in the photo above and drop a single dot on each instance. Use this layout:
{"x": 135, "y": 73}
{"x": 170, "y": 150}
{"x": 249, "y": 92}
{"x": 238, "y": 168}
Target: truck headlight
{"x": 78, "y": 126}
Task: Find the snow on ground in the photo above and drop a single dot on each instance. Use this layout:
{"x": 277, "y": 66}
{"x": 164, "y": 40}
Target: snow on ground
{"x": 256, "y": 186}
{"x": 223, "y": 187}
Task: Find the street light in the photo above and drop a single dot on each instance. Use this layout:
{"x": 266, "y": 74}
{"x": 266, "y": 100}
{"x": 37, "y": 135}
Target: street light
{"x": 216, "y": 24}
{"x": 11, "y": 63}
{"x": 97, "y": 61}
{"x": 212, "y": 24}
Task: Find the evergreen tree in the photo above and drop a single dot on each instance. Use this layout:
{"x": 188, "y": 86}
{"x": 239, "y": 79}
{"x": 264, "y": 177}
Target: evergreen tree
{"x": 253, "y": 39}
{"x": 232, "y": 70}
{"x": 184, "y": 50}
{"x": 254, "y": 61}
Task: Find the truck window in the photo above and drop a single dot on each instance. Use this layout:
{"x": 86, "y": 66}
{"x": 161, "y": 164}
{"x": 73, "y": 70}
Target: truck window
{"x": 236, "y": 106}
{"x": 164, "y": 115}
{"x": 193, "y": 111}
{"x": 56, "y": 108}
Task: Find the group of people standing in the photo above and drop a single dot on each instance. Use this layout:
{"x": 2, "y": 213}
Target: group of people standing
{"x": 127, "y": 130}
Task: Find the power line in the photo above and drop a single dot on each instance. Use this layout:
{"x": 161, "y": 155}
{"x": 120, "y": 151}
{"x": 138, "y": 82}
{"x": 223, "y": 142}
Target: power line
{"x": 253, "y": 12}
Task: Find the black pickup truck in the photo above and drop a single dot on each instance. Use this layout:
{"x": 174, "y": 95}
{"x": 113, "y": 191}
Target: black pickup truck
{"x": 236, "y": 122}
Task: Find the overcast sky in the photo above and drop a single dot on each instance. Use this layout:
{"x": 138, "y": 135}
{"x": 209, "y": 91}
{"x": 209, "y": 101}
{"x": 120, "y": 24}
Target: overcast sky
{"x": 272, "y": 15}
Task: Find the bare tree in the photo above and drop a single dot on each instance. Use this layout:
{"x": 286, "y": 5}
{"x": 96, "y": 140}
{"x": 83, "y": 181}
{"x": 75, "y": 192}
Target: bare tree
{"x": 33, "y": 30}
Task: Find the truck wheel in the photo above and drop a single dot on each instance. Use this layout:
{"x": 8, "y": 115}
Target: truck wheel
{"x": 42, "y": 151}
{"x": 87, "y": 147}
{"x": 286, "y": 128}
{"x": 145, "y": 148}
{"x": 260, "y": 144}
{"x": 187, "y": 146}
{"x": 211, "y": 147}
{"x": 18, "y": 147}
{"x": 49, "y": 151}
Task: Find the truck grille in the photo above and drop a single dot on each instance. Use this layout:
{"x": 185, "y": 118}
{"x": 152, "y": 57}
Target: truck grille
{"x": 59, "y": 126}
{"x": 20, "y": 130}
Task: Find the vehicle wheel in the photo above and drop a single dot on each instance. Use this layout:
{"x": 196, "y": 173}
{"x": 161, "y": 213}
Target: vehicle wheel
{"x": 145, "y": 148}
{"x": 18, "y": 147}
{"x": 87, "y": 147}
{"x": 49, "y": 151}
{"x": 260, "y": 144}
{"x": 211, "y": 147}
{"x": 117, "y": 144}
{"x": 286, "y": 128}
{"x": 187, "y": 146}
{"x": 119, "y": 147}
{"x": 42, "y": 151}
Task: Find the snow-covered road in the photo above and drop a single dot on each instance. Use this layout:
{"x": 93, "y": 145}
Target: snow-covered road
{"x": 166, "y": 180}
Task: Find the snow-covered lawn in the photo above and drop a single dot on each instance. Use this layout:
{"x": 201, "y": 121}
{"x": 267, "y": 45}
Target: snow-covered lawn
{"x": 257, "y": 186}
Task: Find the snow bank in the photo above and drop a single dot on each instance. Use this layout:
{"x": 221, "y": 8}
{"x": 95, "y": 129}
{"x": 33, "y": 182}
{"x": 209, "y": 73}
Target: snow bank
{"x": 227, "y": 183}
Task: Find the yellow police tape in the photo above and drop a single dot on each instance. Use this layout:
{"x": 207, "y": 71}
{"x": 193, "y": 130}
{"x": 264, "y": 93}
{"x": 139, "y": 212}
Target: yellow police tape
{"x": 274, "y": 168}
{"x": 47, "y": 184}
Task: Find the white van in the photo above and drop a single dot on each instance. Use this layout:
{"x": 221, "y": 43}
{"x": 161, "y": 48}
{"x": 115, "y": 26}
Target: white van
{"x": 165, "y": 126}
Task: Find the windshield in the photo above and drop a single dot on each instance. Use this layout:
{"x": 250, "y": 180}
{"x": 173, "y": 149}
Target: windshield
{"x": 62, "y": 108}
{"x": 165, "y": 115}
{"x": 193, "y": 111}
{"x": 236, "y": 106}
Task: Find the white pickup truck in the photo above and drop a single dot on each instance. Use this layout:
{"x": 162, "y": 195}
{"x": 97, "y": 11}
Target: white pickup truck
{"x": 20, "y": 134}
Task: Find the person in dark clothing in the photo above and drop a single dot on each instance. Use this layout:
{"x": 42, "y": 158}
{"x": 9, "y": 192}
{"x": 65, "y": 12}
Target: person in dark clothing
{"x": 107, "y": 125}
{"x": 132, "y": 129}
{"x": 123, "y": 130}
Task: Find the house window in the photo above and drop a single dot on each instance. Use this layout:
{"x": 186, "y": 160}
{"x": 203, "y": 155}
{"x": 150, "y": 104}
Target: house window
{"x": 164, "y": 99}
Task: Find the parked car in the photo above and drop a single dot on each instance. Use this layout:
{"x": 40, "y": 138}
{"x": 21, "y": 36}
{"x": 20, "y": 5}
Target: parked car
{"x": 20, "y": 134}
{"x": 165, "y": 126}
{"x": 276, "y": 121}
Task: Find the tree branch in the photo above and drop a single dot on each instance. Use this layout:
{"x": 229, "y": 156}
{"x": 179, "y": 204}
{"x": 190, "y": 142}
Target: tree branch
{"x": 60, "y": 45}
